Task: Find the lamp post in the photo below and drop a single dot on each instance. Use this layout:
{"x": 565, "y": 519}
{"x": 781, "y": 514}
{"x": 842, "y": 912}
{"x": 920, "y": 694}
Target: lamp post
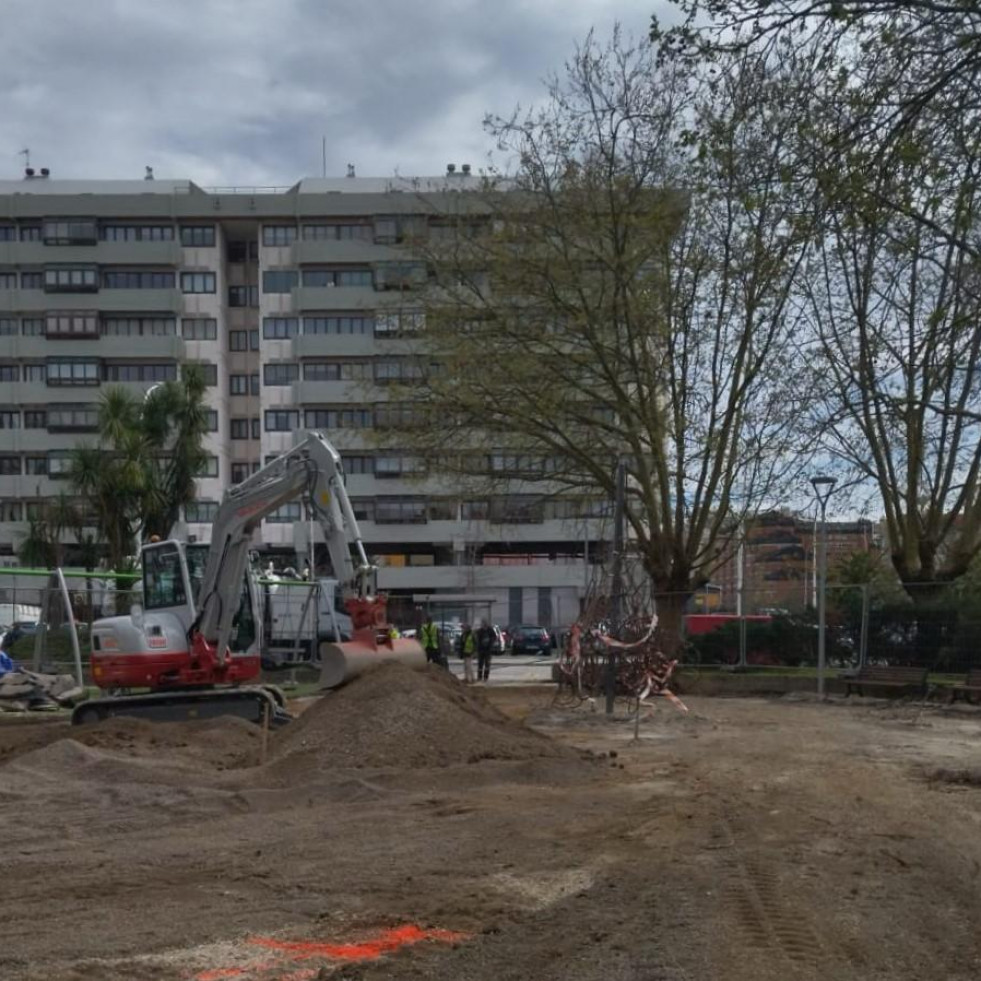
{"x": 823, "y": 487}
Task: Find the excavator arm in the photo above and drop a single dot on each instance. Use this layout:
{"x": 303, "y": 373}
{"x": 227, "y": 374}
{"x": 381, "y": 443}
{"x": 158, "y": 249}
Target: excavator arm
{"x": 311, "y": 468}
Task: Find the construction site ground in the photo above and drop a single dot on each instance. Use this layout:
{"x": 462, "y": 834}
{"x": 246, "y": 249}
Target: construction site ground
{"x": 405, "y": 828}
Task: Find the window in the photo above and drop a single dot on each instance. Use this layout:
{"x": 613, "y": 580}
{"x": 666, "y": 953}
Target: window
{"x": 243, "y": 251}
{"x": 254, "y": 384}
{"x": 337, "y": 232}
{"x": 286, "y": 513}
{"x": 240, "y": 471}
{"x": 8, "y": 326}
{"x": 517, "y": 510}
{"x": 201, "y": 512}
{"x": 278, "y": 234}
{"x": 279, "y": 328}
{"x": 59, "y": 463}
{"x": 35, "y": 466}
{"x": 70, "y": 232}
{"x": 72, "y": 324}
{"x": 209, "y": 371}
{"x": 364, "y": 508}
{"x": 238, "y": 384}
{"x": 401, "y": 370}
{"x": 197, "y": 282}
{"x": 8, "y": 233}
{"x": 239, "y": 428}
{"x": 280, "y": 374}
{"x": 475, "y": 510}
{"x": 337, "y": 418}
{"x": 396, "y": 323}
{"x": 135, "y": 372}
{"x": 9, "y": 419}
{"x": 211, "y": 420}
{"x": 33, "y": 373}
{"x": 441, "y": 509}
{"x": 393, "y": 416}
{"x": 386, "y": 229}
{"x": 400, "y": 511}
{"x": 337, "y": 276}
{"x": 399, "y": 275}
{"x": 10, "y": 466}
{"x": 199, "y": 329}
{"x": 35, "y": 419}
{"x": 78, "y": 418}
{"x": 278, "y": 280}
{"x": 71, "y": 279}
{"x": 254, "y": 340}
{"x": 10, "y": 510}
{"x": 243, "y": 296}
{"x": 33, "y": 280}
{"x": 8, "y": 280}
{"x": 137, "y": 279}
{"x": 137, "y": 233}
{"x": 208, "y": 468}
{"x": 398, "y": 466}
{"x": 337, "y": 325}
{"x": 254, "y": 424}
{"x": 9, "y": 372}
{"x": 32, "y": 326}
{"x": 336, "y": 370}
{"x": 198, "y": 236}
{"x": 30, "y": 233}
{"x": 359, "y": 464}
{"x": 138, "y": 326}
{"x": 281, "y": 420}
{"x": 238, "y": 340}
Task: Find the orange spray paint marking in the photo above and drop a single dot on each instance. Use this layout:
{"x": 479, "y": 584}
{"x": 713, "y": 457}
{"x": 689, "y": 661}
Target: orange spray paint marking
{"x": 220, "y": 973}
{"x": 367, "y": 950}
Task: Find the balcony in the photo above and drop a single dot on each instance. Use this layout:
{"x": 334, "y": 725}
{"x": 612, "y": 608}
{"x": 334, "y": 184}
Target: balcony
{"x": 104, "y": 253}
{"x": 331, "y": 251}
{"x": 308, "y": 298}
{"x": 332, "y": 392}
{"x": 169, "y": 347}
{"x": 108, "y": 301}
{"x": 346, "y": 345}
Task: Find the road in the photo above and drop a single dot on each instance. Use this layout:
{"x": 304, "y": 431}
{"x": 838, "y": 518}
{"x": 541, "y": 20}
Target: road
{"x": 520, "y": 669}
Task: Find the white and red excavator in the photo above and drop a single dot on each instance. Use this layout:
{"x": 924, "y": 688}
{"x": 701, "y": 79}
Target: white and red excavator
{"x": 195, "y": 642}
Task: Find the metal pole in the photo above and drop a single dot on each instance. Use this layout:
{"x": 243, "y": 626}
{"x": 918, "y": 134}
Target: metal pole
{"x": 741, "y": 600}
{"x": 616, "y": 600}
{"x": 863, "y": 644}
{"x": 822, "y": 588}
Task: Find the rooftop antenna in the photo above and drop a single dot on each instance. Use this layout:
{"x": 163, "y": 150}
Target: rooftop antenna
{"x": 350, "y": 170}
{"x": 323, "y": 154}
{"x": 26, "y": 154}
{"x": 148, "y": 176}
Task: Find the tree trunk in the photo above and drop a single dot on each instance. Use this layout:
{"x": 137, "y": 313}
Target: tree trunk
{"x": 670, "y": 621}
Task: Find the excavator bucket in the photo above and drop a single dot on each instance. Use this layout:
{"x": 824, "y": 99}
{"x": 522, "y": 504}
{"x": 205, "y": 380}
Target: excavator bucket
{"x": 340, "y": 662}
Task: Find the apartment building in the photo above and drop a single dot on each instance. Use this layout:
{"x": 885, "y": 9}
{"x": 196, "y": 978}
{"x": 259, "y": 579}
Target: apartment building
{"x": 301, "y": 303}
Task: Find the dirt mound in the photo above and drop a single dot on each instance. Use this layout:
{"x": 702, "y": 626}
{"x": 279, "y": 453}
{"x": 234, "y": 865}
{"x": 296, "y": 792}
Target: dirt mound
{"x": 397, "y": 717}
{"x": 224, "y": 743}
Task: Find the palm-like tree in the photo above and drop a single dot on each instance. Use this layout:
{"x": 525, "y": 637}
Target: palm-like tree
{"x": 141, "y": 472}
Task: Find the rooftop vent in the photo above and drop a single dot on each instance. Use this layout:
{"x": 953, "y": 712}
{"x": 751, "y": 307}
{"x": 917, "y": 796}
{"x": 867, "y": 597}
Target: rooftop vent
{"x": 45, "y": 172}
{"x": 466, "y": 169}
{"x": 28, "y": 173}
{"x": 450, "y": 169}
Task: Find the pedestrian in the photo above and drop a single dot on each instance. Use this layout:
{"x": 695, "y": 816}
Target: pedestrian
{"x": 486, "y": 641}
{"x": 468, "y": 644}
{"x": 430, "y": 641}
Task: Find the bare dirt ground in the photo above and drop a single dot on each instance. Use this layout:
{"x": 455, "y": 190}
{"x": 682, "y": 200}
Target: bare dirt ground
{"x": 748, "y": 840}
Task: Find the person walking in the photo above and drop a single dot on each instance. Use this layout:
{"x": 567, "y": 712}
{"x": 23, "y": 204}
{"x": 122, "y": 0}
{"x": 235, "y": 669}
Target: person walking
{"x": 430, "y": 641}
{"x": 486, "y": 641}
{"x": 468, "y": 644}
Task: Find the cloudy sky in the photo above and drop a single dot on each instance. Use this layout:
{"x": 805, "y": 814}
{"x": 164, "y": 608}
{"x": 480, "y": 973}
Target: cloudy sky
{"x": 242, "y": 91}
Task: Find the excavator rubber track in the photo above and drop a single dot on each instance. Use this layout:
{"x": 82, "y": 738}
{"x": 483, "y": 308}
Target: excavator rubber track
{"x": 253, "y": 703}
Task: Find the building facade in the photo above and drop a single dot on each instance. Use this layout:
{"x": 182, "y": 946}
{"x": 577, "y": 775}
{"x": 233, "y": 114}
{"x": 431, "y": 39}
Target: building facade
{"x": 779, "y": 562}
{"x": 301, "y": 305}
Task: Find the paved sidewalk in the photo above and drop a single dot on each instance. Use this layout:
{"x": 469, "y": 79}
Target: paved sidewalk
{"x": 512, "y": 670}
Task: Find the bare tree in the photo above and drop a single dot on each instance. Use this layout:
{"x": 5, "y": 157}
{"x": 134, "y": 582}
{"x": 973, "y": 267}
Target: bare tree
{"x": 623, "y": 294}
{"x": 896, "y": 308}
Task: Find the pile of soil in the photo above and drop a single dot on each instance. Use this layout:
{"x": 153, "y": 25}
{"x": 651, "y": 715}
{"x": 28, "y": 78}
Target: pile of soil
{"x": 398, "y": 717}
{"x": 224, "y": 743}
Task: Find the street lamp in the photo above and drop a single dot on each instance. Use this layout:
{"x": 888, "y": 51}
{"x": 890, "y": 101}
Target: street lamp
{"x": 823, "y": 487}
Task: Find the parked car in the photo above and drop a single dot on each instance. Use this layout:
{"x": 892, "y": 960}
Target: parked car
{"x": 530, "y": 640}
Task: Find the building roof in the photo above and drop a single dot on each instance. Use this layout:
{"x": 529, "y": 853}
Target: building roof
{"x": 48, "y": 185}
{"x": 385, "y": 185}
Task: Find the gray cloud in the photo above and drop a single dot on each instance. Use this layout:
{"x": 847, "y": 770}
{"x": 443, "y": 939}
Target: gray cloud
{"x": 241, "y": 91}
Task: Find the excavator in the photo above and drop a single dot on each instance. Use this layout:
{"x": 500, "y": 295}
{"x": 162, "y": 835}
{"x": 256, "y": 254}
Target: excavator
{"x": 195, "y": 642}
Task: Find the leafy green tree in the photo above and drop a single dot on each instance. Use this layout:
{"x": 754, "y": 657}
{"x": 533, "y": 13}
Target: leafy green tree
{"x": 623, "y": 294}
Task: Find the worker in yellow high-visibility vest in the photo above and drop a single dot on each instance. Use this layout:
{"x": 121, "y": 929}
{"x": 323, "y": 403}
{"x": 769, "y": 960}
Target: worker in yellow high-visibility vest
{"x": 429, "y": 636}
{"x": 468, "y": 647}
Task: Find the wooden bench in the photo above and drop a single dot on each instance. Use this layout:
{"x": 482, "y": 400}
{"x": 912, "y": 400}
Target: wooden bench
{"x": 903, "y": 679}
{"x": 969, "y": 687}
